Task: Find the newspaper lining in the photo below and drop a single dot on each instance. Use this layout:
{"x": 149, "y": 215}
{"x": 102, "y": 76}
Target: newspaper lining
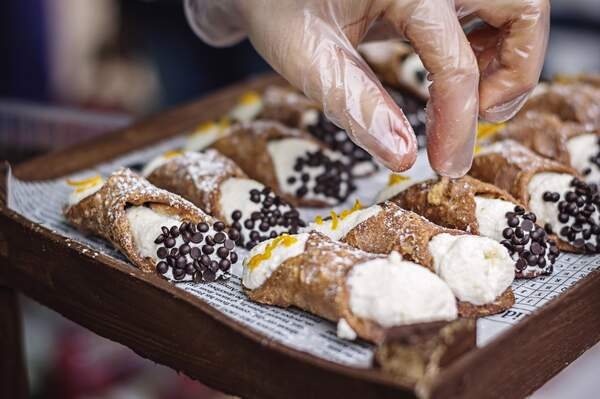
{"x": 42, "y": 202}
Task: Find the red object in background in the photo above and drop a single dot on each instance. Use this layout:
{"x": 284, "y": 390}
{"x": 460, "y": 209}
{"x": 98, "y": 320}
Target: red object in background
{"x": 87, "y": 365}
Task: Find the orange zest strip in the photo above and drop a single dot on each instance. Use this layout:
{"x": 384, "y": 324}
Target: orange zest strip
{"x": 285, "y": 240}
{"x": 396, "y": 178}
{"x": 85, "y": 182}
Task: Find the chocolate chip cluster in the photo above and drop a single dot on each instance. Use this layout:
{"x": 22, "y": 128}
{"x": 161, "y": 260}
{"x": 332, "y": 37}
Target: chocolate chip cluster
{"x": 577, "y": 209}
{"x": 335, "y": 181}
{"x": 275, "y": 217}
{"x": 414, "y": 110}
{"x": 191, "y": 249}
{"x": 528, "y": 243}
{"x": 338, "y": 140}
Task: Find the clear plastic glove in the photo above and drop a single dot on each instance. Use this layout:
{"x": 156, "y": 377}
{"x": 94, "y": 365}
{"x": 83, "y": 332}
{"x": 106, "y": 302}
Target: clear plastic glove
{"x": 312, "y": 43}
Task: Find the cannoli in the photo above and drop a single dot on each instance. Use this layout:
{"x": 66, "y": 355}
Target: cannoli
{"x": 566, "y": 142}
{"x": 397, "y": 65}
{"x": 364, "y": 293}
{"x": 295, "y": 110}
{"x": 577, "y": 103}
{"x": 592, "y": 79}
{"x": 563, "y": 203}
{"x": 296, "y": 166}
{"x": 478, "y": 269}
{"x": 156, "y": 230}
{"x": 479, "y": 208}
{"x": 215, "y": 184}
{"x": 415, "y": 354}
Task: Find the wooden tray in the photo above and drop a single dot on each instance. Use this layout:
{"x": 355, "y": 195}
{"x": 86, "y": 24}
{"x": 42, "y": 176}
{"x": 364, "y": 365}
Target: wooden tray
{"x": 172, "y": 327}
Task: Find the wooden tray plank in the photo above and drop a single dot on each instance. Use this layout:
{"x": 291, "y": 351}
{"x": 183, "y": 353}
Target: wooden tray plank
{"x": 175, "y": 328}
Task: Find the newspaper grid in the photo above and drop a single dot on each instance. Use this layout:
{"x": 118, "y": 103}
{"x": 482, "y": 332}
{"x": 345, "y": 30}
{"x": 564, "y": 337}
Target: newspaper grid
{"x": 42, "y": 202}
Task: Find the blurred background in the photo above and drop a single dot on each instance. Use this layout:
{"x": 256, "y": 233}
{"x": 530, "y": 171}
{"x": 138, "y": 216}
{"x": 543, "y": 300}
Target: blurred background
{"x": 73, "y": 69}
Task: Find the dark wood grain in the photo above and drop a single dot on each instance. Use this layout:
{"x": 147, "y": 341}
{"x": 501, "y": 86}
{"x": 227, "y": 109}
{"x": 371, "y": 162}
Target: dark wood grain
{"x": 13, "y": 373}
{"x": 174, "y": 328}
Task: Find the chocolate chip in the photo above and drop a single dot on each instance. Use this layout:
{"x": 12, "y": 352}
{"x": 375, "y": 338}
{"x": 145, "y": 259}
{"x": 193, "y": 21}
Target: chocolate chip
{"x": 205, "y": 260}
{"x": 162, "y": 267}
{"x": 197, "y": 238}
{"x": 536, "y": 248}
{"x": 209, "y": 240}
{"x": 507, "y": 233}
{"x": 229, "y": 244}
{"x": 203, "y": 227}
{"x": 208, "y": 249}
{"x": 174, "y": 231}
{"x": 209, "y": 276}
{"x": 513, "y": 221}
{"x": 174, "y": 251}
{"x": 189, "y": 268}
{"x": 165, "y": 231}
{"x": 219, "y": 226}
{"x": 236, "y": 215}
{"x": 224, "y": 265}
{"x": 214, "y": 266}
{"x": 234, "y": 234}
{"x": 178, "y": 274}
{"x": 184, "y": 249}
{"x": 521, "y": 264}
{"x": 220, "y": 237}
{"x": 527, "y": 225}
{"x": 159, "y": 239}
{"x": 195, "y": 253}
{"x": 169, "y": 242}
{"x": 183, "y": 227}
{"x": 222, "y": 252}
{"x": 233, "y": 257}
{"x": 161, "y": 252}
{"x": 180, "y": 261}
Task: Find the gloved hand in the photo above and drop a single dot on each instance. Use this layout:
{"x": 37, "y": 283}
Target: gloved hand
{"x": 312, "y": 43}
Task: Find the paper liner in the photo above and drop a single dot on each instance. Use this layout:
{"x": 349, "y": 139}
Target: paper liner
{"x": 449, "y": 202}
{"x": 197, "y": 177}
{"x": 247, "y": 144}
{"x": 396, "y": 229}
{"x": 511, "y": 166}
{"x": 103, "y": 213}
{"x": 315, "y": 281}
{"x": 578, "y": 103}
{"x": 543, "y": 133}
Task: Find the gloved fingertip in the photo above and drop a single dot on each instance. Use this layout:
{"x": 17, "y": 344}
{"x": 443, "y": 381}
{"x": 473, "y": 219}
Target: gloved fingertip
{"x": 504, "y": 110}
{"x": 453, "y": 168}
{"x": 398, "y": 162}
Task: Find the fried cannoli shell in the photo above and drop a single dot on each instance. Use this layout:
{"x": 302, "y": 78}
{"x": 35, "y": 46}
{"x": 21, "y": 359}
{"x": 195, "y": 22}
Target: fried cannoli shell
{"x": 285, "y": 105}
{"x": 579, "y": 103}
{"x": 584, "y": 78}
{"x": 315, "y": 281}
{"x": 543, "y": 133}
{"x": 511, "y": 166}
{"x": 396, "y": 229}
{"x": 386, "y": 61}
{"x": 415, "y": 354}
{"x": 247, "y": 145}
{"x": 197, "y": 177}
{"x": 103, "y": 213}
{"x": 449, "y": 202}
